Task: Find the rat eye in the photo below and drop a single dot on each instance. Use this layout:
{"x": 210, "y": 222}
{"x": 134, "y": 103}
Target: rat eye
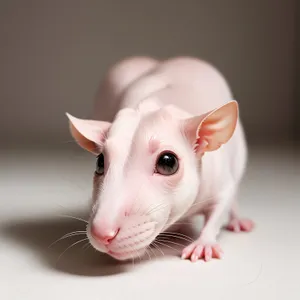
{"x": 100, "y": 164}
{"x": 167, "y": 164}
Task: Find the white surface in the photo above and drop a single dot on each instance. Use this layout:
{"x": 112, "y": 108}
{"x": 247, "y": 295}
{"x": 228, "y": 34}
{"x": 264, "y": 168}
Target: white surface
{"x": 261, "y": 265}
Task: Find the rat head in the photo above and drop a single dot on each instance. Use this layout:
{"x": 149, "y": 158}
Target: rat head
{"x": 147, "y": 172}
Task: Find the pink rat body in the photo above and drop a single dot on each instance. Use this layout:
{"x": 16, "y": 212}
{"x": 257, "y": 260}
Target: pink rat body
{"x": 169, "y": 146}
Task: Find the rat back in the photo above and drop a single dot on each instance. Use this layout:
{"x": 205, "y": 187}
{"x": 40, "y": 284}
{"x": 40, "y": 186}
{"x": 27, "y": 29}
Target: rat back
{"x": 192, "y": 85}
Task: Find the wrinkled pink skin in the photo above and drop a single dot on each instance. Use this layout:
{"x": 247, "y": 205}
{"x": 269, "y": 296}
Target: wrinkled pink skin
{"x": 131, "y": 204}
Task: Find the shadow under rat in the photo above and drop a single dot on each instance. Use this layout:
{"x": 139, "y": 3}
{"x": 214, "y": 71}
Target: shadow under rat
{"x": 39, "y": 234}
{"x": 42, "y": 234}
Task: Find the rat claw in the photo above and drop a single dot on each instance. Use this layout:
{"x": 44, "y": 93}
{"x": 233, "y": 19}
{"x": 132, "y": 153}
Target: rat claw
{"x": 188, "y": 251}
{"x": 208, "y": 253}
{"x": 217, "y": 252}
{"x": 238, "y": 225}
{"x": 194, "y": 258}
{"x": 198, "y": 250}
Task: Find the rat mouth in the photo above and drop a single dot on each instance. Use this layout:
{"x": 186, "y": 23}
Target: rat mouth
{"x": 119, "y": 252}
{"x": 126, "y": 255}
{"x": 132, "y": 251}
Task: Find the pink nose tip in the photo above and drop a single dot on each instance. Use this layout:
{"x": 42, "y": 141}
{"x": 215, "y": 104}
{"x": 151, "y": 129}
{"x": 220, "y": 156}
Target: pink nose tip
{"x": 104, "y": 237}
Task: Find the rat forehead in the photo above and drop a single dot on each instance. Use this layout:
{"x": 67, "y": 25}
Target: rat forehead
{"x": 121, "y": 132}
{"x": 159, "y": 123}
{"x": 126, "y": 121}
{"x": 129, "y": 120}
{"x": 157, "y": 129}
{"x": 132, "y": 130}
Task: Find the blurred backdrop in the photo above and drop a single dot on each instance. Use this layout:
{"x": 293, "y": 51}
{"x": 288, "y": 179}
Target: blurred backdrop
{"x": 297, "y": 71}
{"x": 54, "y": 53}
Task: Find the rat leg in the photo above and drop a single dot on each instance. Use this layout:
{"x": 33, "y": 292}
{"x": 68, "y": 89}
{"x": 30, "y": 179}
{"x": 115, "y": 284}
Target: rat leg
{"x": 206, "y": 246}
{"x": 237, "y": 224}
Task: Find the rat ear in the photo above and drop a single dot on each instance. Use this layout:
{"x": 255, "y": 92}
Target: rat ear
{"x": 210, "y": 131}
{"x": 89, "y": 134}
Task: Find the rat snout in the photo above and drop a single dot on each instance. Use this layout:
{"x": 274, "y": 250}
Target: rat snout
{"x": 129, "y": 239}
{"x": 135, "y": 235}
{"x": 103, "y": 235}
{"x": 125, "y": 232}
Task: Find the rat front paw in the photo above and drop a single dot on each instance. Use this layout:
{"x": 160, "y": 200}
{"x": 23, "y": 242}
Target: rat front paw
{"x": 237, "y": 225}
{"x": 200, "y": 250}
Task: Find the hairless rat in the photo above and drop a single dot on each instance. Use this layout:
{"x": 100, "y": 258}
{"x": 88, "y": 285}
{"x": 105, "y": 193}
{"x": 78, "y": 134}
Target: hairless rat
{"x": 170, "y": 145}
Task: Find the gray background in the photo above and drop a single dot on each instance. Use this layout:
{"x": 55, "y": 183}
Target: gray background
{"x": 54, "y": 53}
{"x": 297, "y": 87}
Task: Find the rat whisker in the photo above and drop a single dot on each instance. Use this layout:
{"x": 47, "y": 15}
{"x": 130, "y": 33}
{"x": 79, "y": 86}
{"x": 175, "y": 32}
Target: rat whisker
{"x": 150, "y": 249}
{"x": 158, "y": 207}
{"x": 157, "y": 247}
{"x": 138, "y": 255}
{"x": 171, "y": 242}
{"x": 80, "y": 241}
{"x": 76, "y": 218}
{"x": 86, "y": 246}
{"x": 74, "y": 233}
{"x": 150, "y": 207}
{"x": 177, "y": 235}
{"x": 171, "y": 222}
{"x": 136, "y": 252}
{"x": 61, "y": 206}
{"x": 258, "y": 275}
{"x": 165, "y": 245}
{"x": 150, "y": 258}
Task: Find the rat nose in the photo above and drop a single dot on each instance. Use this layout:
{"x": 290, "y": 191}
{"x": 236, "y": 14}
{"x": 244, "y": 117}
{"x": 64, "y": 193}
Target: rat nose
{"x": 104, "y": 237}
